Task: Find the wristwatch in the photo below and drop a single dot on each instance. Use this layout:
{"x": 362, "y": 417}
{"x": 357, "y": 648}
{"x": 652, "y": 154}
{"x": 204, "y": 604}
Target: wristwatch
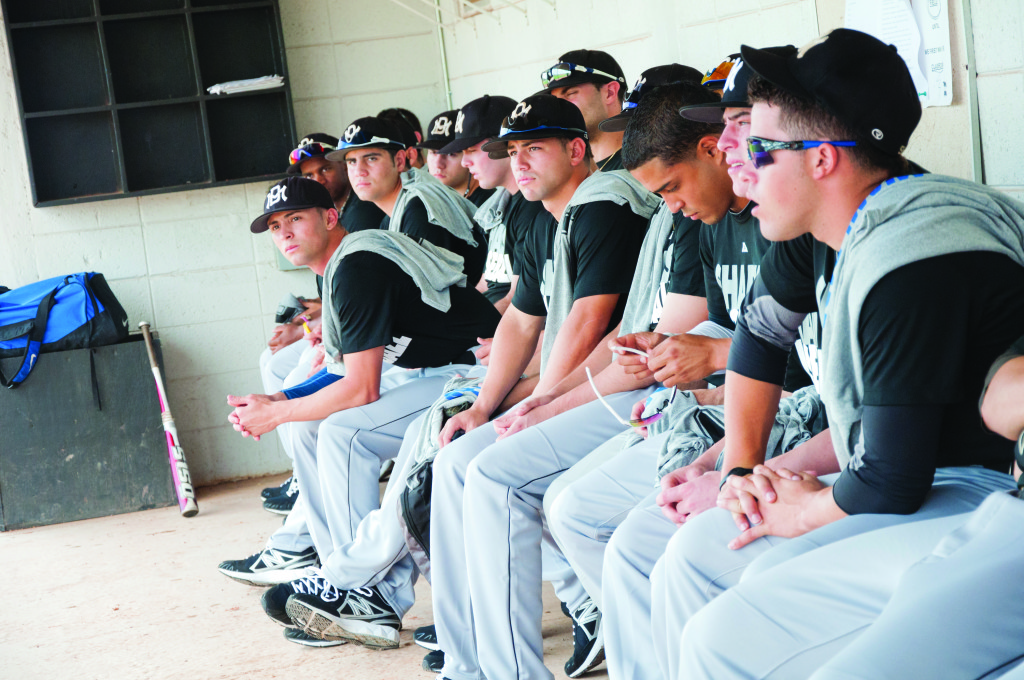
{"x": 741, "y": 471}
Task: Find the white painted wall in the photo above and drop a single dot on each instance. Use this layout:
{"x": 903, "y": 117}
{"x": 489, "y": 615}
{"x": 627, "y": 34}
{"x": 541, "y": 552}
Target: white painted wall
{"x": 186, "y": 262}
{"x": 999, "y": 50}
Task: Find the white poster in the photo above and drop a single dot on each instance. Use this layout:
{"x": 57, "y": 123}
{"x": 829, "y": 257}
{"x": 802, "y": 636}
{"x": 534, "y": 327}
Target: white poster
{"x": 920, "y": 31}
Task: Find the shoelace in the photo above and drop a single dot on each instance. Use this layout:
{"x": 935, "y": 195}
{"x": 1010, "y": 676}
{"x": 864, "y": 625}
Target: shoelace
{"x": 318, "y": 586}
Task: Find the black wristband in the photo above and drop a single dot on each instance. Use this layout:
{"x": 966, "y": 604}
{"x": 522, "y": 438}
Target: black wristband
{"x": 741, "y": 471}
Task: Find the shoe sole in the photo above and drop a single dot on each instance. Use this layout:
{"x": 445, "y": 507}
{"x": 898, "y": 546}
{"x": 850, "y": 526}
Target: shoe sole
{"x": 431, "y": 646}
{"x": 321, "y": 625}
{"x": 268, "y": 578}
{"x": 314, "y": 642}
{"x": 277, "y": 511}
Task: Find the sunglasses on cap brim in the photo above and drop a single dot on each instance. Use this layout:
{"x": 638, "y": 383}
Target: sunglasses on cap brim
{"x": 309, "y": 151}
{"x": 564, "y": 69}
{"x": 759, "y": 149}
{"x": 716, "y": 77}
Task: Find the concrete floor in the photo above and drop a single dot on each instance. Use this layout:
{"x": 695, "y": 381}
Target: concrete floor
{"x": 138, "y": 596}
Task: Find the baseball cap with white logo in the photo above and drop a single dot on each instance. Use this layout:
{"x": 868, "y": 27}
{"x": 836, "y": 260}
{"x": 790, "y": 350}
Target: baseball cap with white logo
{"x": 440, "y": 131}
{"x": 854, "y": 76}
{"x": 734, "y": 88}
{"x": 540, "y": 116}
{"x": 293, "y": 193}
{"x": 365, "y": 133}
{"x": 478, "y": 121}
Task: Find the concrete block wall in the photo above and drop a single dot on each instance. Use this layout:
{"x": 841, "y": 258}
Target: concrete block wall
{"x": 999, "y": 51}
{"x": 485, "y": 57}
{"x": 186, "y": 261}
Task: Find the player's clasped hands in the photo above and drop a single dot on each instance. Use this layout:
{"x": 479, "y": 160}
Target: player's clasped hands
{"x": 688, "y": 491}
{"x": 768, "y": 503}
{"x": 253, "y": 415}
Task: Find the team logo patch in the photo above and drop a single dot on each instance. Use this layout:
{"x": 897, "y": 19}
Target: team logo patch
{"x": 441, "y": 126}
{"x": 730, "y": 82}
{"x": 522, "y": 109}
{"x": 275, "y": 196}
{"x": 459, "y": 120}
{"x": 351, "y": 132}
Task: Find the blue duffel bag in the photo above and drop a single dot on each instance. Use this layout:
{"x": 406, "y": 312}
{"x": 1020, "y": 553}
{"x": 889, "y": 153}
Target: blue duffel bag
{"x": 65, "y": 312}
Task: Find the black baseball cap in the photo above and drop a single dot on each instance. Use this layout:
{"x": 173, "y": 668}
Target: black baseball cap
{"x": 648, "y": 81}
{"x": 856, "y": 77}
{"x": 365, "y": 133}
{"x": 440, "y": 131}
{"x": 734, "y": 89}
{"x": 313, "y": 145}
{"x": 540, "y": 116}
{"x": 291, "y": 193}
{"x": 582, "y": 66}
{"x": 479, "y": 120}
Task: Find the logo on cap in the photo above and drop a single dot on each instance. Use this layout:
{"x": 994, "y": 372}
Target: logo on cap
{"x": 730, "y": 82}
{"x": 877, "y": 134}
{"x": 522, "y": 109}
{"x": 306, "y": 141}
{"x": 459, "y": 120}
{"x": 275, "y": 196}
{"x": 441, "y": 126}
{"x": 351, "y": 132}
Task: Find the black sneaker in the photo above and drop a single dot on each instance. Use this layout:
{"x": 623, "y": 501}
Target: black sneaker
{"x": 426, "y": 637}
{"x": 587, "y": 640}
{"x": 360, "y": 615}
{"x": 301, "y": 637}
{"x": 434, "y": 661}
{"x": 282, "y": 504}
{"x": 270, "y": 566}
{"x": 274, "y": 600}
{"x": 272, "y": 491}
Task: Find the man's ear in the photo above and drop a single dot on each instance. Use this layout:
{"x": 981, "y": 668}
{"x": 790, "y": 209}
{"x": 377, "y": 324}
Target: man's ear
{"x": 823, "y": 161}
{"x": 610, "y": 92}
{"x": 332, "y": 218}
{"x": 707, "y": 147}
{"x": 402, "y": 160}
{"x": 577, "y": 150}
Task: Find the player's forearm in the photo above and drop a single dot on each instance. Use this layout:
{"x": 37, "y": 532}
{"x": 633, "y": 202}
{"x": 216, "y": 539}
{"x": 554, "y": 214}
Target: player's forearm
{"x": 750, "y": 408}
{"x": 514, "y": 343}
{"x": 343, "y": 394}
{"x": 597, "y": 362}
{"x": 581, "y": 332}
{"x": 816, "y": 455}
{"x": 1002, "y": 408}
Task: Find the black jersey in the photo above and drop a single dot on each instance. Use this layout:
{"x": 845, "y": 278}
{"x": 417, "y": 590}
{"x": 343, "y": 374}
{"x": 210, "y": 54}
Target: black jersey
{"x": 504, "y": 263}
{"x": 479, "y": 196}
{"x": 682, "y": 271}
{"x": 357, "y": 214}
{"x": 604, "y": 244}
{"x": 731, "y": 252}
{"x": 378, "y": 305}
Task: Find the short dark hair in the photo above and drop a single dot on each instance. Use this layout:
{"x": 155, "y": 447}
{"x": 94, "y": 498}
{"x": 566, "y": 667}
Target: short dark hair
{"x": 806, "y": 119}
{"x": 656, "y": 130}
{"x": 404, "y": 115}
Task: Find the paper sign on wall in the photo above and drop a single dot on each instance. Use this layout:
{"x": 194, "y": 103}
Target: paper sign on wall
{"x": 920, "y": 31}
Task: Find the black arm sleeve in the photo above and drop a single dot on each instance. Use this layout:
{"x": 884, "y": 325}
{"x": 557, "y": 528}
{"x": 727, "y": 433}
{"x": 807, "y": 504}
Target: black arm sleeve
{"x": 888, "y": 483}
{"x": 765, "y": 334}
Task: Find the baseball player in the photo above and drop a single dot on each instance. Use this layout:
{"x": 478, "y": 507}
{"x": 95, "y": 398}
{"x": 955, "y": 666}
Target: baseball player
{"x": 905, "y": 434}
{"x": 389, "y": 300}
